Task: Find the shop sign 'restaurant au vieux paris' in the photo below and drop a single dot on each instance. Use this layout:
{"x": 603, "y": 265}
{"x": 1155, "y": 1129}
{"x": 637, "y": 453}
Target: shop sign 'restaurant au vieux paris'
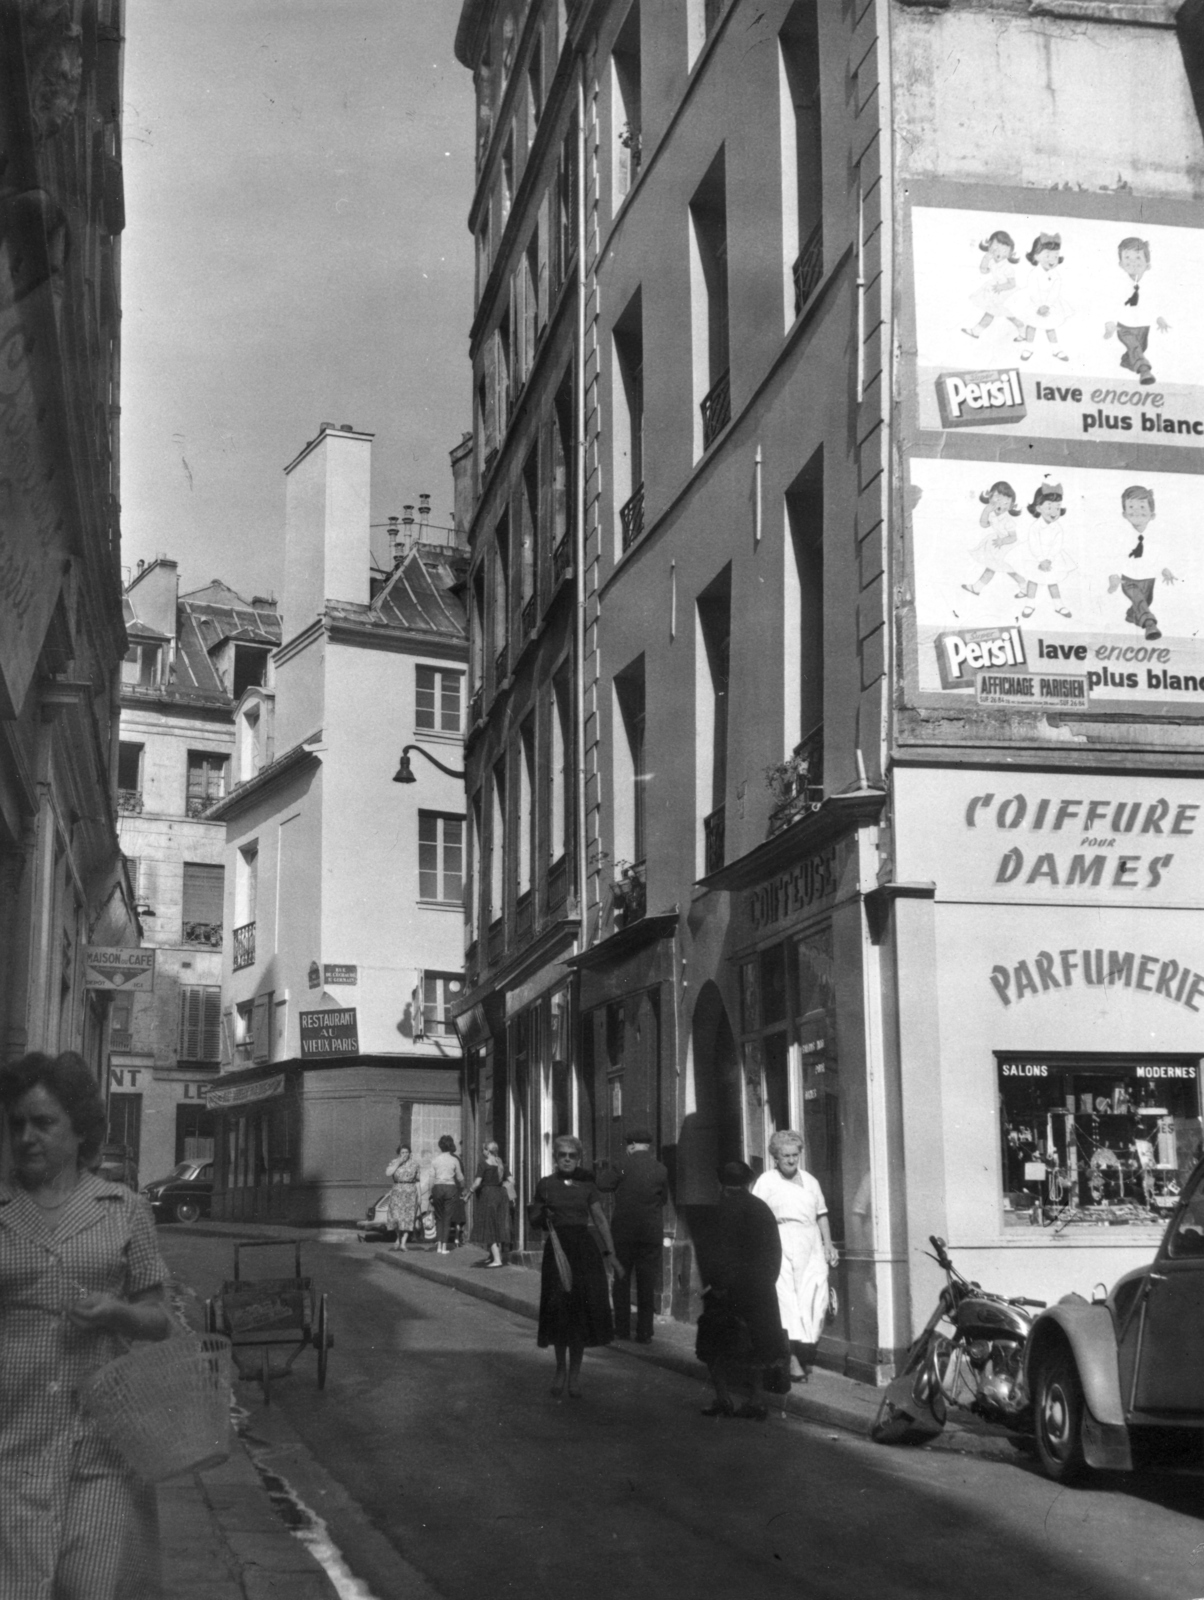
{"x": 329, "y": 1033}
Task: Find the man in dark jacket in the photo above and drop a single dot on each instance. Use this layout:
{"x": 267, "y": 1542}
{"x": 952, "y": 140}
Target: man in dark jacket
{"x": 641, "y": 1188}
{"x": 740, "y": 1331}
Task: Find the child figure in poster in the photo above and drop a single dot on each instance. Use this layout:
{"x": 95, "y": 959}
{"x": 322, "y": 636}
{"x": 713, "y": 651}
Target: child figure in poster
{"x": 1141, "y": 572}
{"x": 1137, "y": 309}
{"x": 1045, "y": 562}
{"x": 1041, "y": 303}
{"x": 998, "y": 549}
{"x": 997, "y": 266}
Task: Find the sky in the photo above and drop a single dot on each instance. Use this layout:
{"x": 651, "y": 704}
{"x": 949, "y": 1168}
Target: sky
{"x": 298, "y": 175}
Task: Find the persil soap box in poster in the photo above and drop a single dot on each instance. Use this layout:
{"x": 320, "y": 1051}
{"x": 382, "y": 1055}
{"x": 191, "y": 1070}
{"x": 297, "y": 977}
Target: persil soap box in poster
{"x": 1058, "y": 327}
{"x": 1044, "y": 587}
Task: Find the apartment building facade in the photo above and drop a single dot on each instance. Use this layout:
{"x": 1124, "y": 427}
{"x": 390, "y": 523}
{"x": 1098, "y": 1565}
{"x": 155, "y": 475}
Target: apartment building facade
{"x": 343, "y": 942}
{"x": 193, "y": 660}
{"x": 64, "y": 892}
{"x": 885, "y": 765}
{"x": 524, "y": 735}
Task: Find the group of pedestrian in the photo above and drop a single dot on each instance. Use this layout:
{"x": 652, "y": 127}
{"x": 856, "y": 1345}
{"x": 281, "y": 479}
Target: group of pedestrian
{"x": 768, "y": 1297}
{"x": 444, "y": 1193}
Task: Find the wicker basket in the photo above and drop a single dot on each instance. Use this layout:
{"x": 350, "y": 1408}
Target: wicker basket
{"x": 165, "y": 1407}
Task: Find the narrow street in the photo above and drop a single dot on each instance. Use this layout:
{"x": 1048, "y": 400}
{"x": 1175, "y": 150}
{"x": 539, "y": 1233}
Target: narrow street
{"x": 436, "y": 1450}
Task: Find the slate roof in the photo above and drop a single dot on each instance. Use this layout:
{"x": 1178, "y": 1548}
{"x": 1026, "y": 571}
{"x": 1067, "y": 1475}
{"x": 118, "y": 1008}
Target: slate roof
{"x": 206, "y": 619}
{"x": 419, "y": 596}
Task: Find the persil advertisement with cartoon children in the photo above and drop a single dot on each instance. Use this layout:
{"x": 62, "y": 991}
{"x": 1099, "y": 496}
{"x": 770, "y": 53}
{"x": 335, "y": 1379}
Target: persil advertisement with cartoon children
{"x": 1059, "y": 327}
{"x": 1043, "y": 586}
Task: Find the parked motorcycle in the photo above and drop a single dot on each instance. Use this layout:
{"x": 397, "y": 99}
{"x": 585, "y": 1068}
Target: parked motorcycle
{"x": 969, "y": 1356}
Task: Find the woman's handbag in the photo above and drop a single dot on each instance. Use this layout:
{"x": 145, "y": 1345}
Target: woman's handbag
{"x": 165, "y": 1407}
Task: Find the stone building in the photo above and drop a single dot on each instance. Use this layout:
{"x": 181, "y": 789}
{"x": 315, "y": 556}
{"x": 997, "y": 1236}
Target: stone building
{"x": 885, "y": 614}
{"x": 64, "y": 892}
{"x": 343, "y": 931}
{"x": 194, "y": 659}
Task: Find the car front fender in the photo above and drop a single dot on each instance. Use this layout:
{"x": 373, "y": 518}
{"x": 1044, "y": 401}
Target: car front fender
{"x": 1089, "y": 1332}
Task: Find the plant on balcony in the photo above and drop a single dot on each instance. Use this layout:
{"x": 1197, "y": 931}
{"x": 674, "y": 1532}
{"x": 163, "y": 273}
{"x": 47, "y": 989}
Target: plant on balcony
{"x": 630, "y": 893}
{"x": 630, "y": 138}
{"x": 796, "y": 785}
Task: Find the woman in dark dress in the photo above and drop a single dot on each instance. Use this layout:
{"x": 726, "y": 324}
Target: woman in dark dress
{"x": 491, "y": 1214}
{"x": 566, "y": 1203}
{"x": 742, "y": 1300}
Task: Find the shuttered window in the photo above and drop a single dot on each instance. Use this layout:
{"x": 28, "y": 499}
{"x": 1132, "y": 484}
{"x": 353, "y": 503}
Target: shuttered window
{"x": 200, "y": 1022}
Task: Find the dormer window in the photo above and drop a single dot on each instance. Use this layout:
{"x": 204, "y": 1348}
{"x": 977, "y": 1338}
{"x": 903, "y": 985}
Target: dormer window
{"x": 249, "y": 670}
{"x": 142, "y": 664}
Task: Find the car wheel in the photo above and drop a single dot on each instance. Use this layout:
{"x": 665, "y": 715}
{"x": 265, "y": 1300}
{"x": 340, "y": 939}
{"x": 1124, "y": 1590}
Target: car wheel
{"x": 1058, "y": 1418}
{"x": 186, "y": 1210}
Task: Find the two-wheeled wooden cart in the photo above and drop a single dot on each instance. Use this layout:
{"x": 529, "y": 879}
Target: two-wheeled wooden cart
{"x": 259, "y": 1315}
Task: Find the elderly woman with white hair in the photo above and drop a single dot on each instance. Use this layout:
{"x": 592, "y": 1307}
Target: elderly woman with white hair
{"x": 797, "y": 1201}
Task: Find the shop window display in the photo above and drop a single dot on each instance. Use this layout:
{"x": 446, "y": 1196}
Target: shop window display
{"x": 1096, "y": 1140}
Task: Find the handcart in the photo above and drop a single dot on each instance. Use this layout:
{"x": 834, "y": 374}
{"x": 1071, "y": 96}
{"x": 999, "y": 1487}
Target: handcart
{"x": 258, "y": 1315}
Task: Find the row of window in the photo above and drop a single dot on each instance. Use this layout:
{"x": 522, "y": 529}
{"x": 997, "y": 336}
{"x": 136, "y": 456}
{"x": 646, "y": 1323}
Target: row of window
{"x": 529, "y": 540}
{"x": 521, "y": 812}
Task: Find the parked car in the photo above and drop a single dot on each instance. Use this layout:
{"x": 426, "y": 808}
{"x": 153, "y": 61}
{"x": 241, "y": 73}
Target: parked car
{"x": 1119, "y": 1382}
{"x": 185, "y": 1193}
{"x": 376, "y": 1221}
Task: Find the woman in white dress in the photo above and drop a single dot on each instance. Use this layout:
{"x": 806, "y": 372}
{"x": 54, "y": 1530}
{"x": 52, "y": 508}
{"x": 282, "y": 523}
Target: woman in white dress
{"x": 797, "y": 1201}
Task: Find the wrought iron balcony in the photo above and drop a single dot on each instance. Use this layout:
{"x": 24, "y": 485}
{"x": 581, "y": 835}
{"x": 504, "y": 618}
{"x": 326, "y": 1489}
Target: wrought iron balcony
{"x": 129, "y": 800}
{"x": 524, "y": 916}
{"x": 198, "y": 804}
{"x": 244, "y": 946}
{"x": 208, "y": 933}
{"x": 713, "y": 830}
{"x": 716, "y": 410}
{"x": 529, "y": 607}
{"x": 809, "y": 268}
{"x": 562, "y": 560}
{"x": 558, "y": 883}
{"x": 632, "y": 518}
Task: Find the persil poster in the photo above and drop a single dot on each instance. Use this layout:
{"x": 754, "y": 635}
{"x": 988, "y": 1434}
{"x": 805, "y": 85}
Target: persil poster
{"x": 1044, "y": 587}
{"x": 1059, "y": 327}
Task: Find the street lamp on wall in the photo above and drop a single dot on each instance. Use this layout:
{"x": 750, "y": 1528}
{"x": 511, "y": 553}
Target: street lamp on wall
{"x": 405, "y": 773}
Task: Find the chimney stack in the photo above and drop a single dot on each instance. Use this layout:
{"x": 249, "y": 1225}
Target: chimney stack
{"x": 327, "y": 552}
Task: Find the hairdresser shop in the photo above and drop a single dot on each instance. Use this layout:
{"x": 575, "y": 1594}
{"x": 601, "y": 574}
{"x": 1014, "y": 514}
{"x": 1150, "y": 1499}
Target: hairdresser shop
{"x": 1057, "y": 1048}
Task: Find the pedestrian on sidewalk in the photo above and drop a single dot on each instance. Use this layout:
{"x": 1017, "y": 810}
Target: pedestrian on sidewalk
{"x": 447, "y": 1185}
{"x": 574, "y": 1307}
{"x": 798, "y": 1203}
{"x": 491, "y": 1214}
{"x": 403, "y": 1203}
{"x": 740, "y": 1331}
{"x": 640, "y": 1186}
{"x": 80, "y": 1274}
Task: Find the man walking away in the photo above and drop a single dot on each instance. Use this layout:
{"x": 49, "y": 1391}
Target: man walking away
{"x": 641, "y": 1188}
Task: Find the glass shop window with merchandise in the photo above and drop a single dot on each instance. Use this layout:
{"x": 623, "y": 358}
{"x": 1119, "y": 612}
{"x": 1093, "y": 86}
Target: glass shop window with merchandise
{"x": 1096, "y": 1140}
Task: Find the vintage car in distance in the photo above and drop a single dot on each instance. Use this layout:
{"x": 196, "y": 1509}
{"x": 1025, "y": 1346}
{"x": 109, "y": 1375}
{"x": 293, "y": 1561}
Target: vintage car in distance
{"x": 1118, "y": 1383}
{"x": 184, "y": 1194}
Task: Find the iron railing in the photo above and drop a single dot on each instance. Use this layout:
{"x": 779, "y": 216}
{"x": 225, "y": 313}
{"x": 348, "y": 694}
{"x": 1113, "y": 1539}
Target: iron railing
{"x": 244, "y": 946}
{"x": 632, "y": 518}
{"x": 713, "y": 831}
{"x": 198, "y": 804}
{"x": 558, "y": 883}
{"x": 562, "y": 560}
{"x": 207, "y": 933}
{"x": 798, "y": 783}
{"x": 716, "y": 409}
{"x": 809, "y": 267}
{"x": 129, "y": 800}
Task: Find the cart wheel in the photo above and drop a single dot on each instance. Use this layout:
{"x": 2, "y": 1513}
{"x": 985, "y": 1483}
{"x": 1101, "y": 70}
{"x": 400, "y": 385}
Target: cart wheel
{"x": 324, "y": 1341}
{"x": 265, "y": 1377}
{"x": 210, "y": 1317}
